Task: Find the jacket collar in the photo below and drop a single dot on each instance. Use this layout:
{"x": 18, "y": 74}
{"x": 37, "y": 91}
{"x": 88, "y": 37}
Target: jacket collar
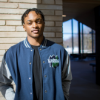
{"x": 43, "y": 44}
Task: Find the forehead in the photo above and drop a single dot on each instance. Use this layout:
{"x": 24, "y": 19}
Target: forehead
{"x": 32, "y": 15}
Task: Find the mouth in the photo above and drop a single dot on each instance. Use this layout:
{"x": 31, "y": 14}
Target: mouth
{"x": 35, "y": 31}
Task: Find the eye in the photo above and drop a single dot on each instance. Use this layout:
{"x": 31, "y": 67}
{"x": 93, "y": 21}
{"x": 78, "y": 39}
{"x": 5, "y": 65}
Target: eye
{"x": 38, "y": 21}
{"x": 29, "y": 23}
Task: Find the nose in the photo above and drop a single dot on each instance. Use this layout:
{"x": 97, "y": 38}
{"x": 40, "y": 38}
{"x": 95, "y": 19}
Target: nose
{"x": 34, "y": 25}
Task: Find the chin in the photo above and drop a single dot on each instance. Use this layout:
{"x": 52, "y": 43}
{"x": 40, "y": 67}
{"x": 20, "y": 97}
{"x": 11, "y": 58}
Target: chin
{"x": 38, "y": 36}
{"x": 35, "y": 35}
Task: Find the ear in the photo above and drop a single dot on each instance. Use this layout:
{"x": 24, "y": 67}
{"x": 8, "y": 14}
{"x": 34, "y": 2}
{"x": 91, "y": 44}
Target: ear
{"x": 24, "y": 27}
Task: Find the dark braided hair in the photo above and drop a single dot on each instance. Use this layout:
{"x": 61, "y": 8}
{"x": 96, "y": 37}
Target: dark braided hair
{"x": 33, "y": 9}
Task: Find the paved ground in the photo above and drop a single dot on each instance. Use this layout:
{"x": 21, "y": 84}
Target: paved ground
{"x": 83, "y": 85}
{"x": 1, "y": 97}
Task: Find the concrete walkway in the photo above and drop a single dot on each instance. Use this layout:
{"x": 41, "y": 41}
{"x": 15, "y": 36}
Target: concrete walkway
{"x": 1, "y": 97}
{"x": 83, "y": 85}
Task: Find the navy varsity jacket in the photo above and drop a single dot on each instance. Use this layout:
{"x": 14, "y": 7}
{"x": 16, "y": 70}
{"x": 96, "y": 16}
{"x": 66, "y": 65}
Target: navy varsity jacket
{"x": 17, "y": 66}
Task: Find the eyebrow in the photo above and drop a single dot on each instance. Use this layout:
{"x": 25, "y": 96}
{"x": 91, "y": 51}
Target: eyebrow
{"x": 36, "y": 19}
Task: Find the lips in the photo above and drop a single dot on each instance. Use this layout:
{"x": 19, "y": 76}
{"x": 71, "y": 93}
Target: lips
{"x": 35, "y": 31}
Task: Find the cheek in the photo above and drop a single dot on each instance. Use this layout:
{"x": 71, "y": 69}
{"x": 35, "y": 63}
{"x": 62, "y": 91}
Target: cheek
{"x": 28, "y": 28}
{"x": 42, "y": 27}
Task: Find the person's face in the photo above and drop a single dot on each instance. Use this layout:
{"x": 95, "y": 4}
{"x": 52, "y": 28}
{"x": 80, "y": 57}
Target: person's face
{"x": 33, "y": 25}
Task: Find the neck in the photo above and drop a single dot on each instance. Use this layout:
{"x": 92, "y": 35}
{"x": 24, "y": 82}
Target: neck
{"x": 35, "y": 41}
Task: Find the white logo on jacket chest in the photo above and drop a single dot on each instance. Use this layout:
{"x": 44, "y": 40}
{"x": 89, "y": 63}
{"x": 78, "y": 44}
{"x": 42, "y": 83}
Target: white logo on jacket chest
{"x": 53, "y": 61}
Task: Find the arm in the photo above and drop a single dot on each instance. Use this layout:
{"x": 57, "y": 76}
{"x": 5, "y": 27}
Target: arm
{"x": 66, "y": 77}
{"x": 5, "y": 82}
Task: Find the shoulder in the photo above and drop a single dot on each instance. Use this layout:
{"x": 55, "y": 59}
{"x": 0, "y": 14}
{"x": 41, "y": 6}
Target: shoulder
{"x": 55, "y": 46}
{"x": 13, "y": 49}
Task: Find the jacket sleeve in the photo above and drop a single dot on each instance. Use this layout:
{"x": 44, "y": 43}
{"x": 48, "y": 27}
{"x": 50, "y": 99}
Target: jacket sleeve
{"x": 5, "y": 81}
{"x": 66, "y": 77}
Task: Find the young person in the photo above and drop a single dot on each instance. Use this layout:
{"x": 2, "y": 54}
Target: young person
{"x": 40, "y": 68}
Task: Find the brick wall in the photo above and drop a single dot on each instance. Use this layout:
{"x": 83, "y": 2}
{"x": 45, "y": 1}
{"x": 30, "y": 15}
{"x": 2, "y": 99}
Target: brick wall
{"x": 11, "y": 30}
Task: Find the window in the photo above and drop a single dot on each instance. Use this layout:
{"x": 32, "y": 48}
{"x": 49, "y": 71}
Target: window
{"x": 87, "y": 36}
{"x": 71, "y": 37}
{"x": 67, "y": 36}
{"x": 75, "y": 36}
